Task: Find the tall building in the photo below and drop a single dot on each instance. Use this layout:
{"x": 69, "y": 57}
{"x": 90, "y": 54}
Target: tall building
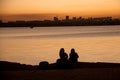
{"x": 55, "y": 18}
{"x": 80, "y": 18}
{"x": 74, "y": 18}
{"x": 67, "y": 18}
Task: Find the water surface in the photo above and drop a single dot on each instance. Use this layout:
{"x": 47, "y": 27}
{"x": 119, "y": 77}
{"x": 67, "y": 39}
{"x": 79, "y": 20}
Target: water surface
{"x": 30, "y": 46}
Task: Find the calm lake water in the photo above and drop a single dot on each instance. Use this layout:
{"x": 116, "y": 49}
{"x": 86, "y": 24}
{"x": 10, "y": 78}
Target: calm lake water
{"x": 30, "y": 46}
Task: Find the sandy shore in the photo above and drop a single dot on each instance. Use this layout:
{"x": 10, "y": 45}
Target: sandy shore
{"x": 72, "y": 74}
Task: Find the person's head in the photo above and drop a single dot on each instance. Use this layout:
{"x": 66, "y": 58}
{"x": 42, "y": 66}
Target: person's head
{"x": 62, "y": 50}
{"x": 72, "y": 50}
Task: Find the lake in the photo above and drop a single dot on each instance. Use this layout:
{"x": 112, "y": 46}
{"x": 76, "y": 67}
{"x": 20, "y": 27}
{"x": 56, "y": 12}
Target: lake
{"x": 30, "y": 46}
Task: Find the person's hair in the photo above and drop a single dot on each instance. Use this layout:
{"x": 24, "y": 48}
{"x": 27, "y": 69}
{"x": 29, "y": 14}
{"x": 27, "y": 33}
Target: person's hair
{"x": 72, "y": 50}
{"x": 61, "y": 50}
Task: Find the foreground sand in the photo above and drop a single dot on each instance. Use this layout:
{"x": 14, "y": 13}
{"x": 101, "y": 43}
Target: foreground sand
{"x": 72, "y": 74}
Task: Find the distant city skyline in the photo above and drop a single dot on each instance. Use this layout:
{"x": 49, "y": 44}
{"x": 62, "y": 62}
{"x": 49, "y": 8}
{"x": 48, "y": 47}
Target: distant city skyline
{"x": 46, "y": 9}
{"x": 41, "y": 17}
{"x": 66, "y": 21}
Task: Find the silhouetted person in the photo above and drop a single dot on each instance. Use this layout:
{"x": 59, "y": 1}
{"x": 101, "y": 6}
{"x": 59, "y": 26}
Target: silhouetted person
{"x": 62, "y": 54}
{"x": 63, "y": 62}
{"x": 73, "y": 56}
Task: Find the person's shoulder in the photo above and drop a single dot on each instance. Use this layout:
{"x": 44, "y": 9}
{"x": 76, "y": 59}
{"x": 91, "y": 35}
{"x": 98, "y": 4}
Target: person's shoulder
{"x": 65, "y": 52}
{"x": 76, "y": 53}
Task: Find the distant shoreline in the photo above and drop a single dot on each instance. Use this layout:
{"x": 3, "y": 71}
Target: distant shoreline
{"x": 99, "y": 21}
{"x": 54, "y": 26}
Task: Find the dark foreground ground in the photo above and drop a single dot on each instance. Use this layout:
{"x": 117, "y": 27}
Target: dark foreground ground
{"x": 81, "y": 71}
{"x": 71, "y": 74}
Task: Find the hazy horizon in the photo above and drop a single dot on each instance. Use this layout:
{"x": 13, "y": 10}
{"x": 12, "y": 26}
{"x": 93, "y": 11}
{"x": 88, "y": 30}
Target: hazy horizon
{"x": 30, "y": 17}
{"x": 46, "y": 9}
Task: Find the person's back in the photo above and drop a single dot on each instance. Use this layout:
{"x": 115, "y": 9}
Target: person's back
{"x": 63, "y": 61}
{"x": 73, "y": 56}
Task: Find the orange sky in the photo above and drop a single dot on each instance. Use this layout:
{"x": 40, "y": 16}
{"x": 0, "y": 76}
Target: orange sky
{"x": 69, "y": 7}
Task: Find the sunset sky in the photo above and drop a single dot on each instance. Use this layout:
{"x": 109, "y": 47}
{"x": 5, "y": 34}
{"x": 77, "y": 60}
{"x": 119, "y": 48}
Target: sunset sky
{"x": 85, "y": 8}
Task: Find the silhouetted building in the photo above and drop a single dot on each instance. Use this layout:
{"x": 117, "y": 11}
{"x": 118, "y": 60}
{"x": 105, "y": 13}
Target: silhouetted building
{"x": 79, "y": 18}
{"x": 67, "y": 18}
{"x": 74, "y": 18}
{"x": 56, "y": 19}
